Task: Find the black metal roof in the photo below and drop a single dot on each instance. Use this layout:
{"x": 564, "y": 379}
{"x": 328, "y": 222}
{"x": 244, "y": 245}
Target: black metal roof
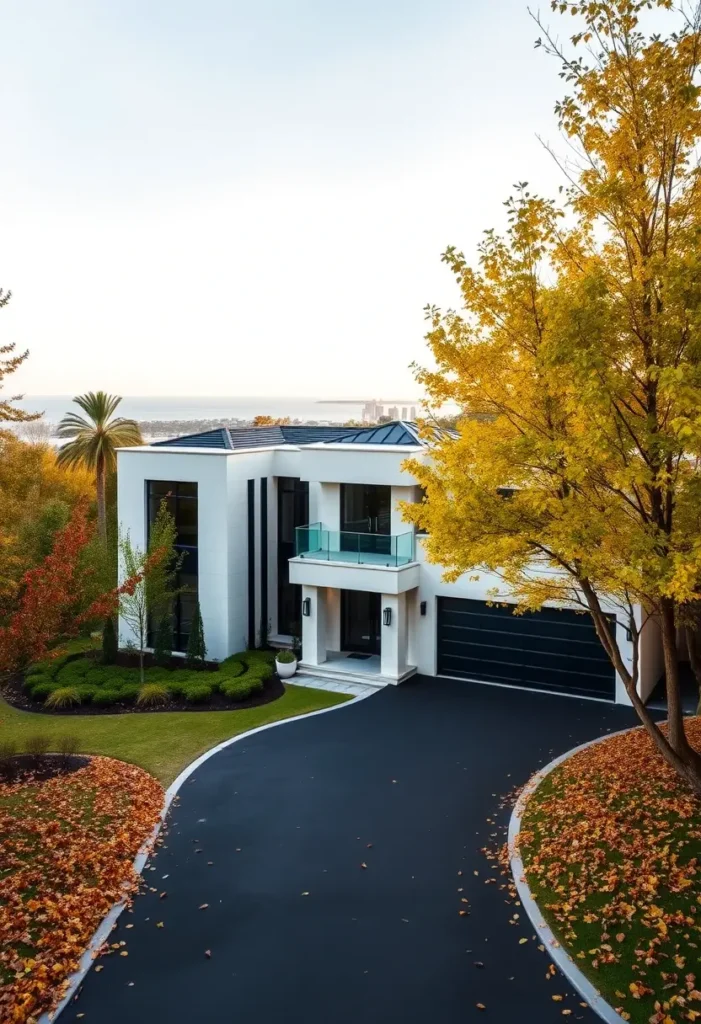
{"x": 398, "y": 432}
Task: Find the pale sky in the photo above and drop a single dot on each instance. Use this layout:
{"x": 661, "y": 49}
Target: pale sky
{"x": 228, "y": 198}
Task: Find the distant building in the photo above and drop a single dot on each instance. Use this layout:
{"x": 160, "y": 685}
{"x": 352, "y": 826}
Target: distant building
{"x": 393, "y": 412}
{"x": 403, "y": 412}
{"x": 413, "y": 413}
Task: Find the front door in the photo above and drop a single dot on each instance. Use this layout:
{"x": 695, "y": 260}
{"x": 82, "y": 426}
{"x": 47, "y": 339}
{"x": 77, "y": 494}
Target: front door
{"x": 360, "y": 622}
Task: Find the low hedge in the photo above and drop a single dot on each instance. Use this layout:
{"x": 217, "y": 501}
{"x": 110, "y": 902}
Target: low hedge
{"x": 237, "y": 678}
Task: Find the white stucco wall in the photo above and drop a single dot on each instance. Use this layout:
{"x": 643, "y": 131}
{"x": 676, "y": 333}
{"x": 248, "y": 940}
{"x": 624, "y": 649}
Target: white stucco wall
{"x": 651, "y": 654}
{"x": 209, "y": 472}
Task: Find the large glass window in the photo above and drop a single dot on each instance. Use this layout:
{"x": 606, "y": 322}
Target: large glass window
{"x": 292, "y": 511}
{"x": 366, "y": 508}
{"x": 181, "y": 501}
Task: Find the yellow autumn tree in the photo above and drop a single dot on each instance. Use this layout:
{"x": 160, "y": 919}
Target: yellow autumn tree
{"x": 579, "y": 340}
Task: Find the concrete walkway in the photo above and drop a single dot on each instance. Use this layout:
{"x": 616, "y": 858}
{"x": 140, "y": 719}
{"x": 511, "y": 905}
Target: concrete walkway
{"x": 273, "y": 834}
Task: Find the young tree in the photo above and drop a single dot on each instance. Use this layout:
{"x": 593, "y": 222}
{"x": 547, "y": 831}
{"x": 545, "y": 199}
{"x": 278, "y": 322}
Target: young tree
{"x": 157, "y": 570}
{"x": 196, "y": 647}
{"x": 580, "y": 342}
{"x": 93, "y": 442}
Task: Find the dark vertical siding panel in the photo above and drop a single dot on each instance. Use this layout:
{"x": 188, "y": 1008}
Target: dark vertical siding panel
{"x": 263, "y": 559}
{"x": 251, "y": 563}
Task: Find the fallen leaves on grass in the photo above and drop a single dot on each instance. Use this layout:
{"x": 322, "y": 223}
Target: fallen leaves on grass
{"x": 66, "y": 848}
{"x": 611, "y": 842}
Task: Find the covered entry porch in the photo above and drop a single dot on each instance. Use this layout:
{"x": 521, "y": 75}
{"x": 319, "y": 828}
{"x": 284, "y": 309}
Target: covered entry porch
{"x": 355, "y": 618}
{"x": 356, "y": 634}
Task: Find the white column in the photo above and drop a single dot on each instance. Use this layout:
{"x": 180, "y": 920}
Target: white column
{"x": 314, "y": 626}
{"x": 400, "y": 494}
{"x": 393, "y": 656}
{"x": 333, "y": 619}
{"x": 329, "y": 506}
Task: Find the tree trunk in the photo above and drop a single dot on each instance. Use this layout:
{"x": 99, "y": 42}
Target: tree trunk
{"x": 141, "y": 665}
{"x": 680, "y": 755}
{"x": 101, "y": 501}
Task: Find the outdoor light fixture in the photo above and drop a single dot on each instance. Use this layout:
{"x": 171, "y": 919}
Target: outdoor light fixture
{"x": 307, "y": 606}
{"x": 386, "y": 616}
{"x": 422, "y": 607}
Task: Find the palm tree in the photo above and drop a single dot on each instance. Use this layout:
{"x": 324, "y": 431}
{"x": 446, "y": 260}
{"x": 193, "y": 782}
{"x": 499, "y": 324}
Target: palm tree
{"x": 94, "y": 441}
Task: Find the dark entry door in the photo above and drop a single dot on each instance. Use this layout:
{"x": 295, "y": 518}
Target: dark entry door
{"x": 547, "y": 650}
{"x": 360, "y": 622}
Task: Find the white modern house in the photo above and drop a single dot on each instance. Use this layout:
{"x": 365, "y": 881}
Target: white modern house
{"x": 294, "y": 530}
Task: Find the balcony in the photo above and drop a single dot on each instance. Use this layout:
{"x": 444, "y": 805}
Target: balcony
{"x": 386, "y": 550}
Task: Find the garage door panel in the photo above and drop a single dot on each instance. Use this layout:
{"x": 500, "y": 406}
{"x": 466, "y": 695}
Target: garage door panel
{"x": 550, "y": 649}
{"x": 524, "y": 640}
{"x": 499, "y": 619}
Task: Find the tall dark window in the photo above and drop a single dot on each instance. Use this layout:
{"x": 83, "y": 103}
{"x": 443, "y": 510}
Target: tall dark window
{"x": 292, "y": 511}
{"x": 366, "y": 508}
{"x": 181, "y": 500}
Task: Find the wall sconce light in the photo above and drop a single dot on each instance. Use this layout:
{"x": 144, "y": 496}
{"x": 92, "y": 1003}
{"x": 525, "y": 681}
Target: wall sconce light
{"x": 422, "y": 607}
{"x": 629, "y": 636}
{"x": 307, "y": 606}
{"x": 386, "y": 616}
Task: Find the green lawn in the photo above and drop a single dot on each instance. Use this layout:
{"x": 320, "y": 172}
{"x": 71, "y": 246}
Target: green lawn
{"x": 163, "y": 742}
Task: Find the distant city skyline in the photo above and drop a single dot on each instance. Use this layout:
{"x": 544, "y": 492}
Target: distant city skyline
{"x": 253, "y": 198}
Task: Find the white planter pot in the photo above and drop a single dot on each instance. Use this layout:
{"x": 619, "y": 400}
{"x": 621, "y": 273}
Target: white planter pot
{"x": 286, "y": 669}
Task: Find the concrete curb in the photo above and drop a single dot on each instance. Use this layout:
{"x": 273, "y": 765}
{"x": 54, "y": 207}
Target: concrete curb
{"x": 108, "y": 922}
{"x": 562, "y": 960}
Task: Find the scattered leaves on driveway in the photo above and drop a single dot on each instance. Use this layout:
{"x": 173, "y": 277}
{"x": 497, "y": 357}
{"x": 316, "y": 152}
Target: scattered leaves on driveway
{"x": 66, "y": 848}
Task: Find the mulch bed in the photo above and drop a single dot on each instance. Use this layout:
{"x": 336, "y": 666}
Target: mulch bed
{"x": 15, "y": 695}
{"x": 39, "y": 767}
{"x": 611, "y": 842}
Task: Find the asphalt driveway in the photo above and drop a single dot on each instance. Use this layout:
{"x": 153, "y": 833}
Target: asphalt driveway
{"x": 273, "y": 832}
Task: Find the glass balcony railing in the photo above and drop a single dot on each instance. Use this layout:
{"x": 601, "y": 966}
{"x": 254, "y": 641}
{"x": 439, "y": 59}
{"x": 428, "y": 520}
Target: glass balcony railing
{"x": 314, "y": 541}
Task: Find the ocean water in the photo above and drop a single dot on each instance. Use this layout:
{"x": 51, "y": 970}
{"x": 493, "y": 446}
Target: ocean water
{"x": 145, "y": 407}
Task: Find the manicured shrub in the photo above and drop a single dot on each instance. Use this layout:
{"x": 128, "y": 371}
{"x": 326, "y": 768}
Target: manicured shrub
{"x": 98, "y": 675}
{"x": 231, "y": 668}
{"x": 128, "y": 691}
{"x": 105, "y": 697}
{"x": 285, "y": 657}
{"x": 151, "y": 694}
{"x": 42, "y": 689}
{"x": 109, "y": 642}
{"x": 86, "y": 691}
{"x": 197, "y": 693}
{"x": 258, "y": 657}
{"x": 236, "y": 689}
{"x": 78, "y": 668}
{"x": 63, "y": 697}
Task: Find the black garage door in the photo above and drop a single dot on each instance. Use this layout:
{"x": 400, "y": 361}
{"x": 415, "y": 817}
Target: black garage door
{"x": 546, "y": 650}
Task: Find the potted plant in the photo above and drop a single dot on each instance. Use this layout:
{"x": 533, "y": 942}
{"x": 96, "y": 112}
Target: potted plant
{"x": 285, "y": 664}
